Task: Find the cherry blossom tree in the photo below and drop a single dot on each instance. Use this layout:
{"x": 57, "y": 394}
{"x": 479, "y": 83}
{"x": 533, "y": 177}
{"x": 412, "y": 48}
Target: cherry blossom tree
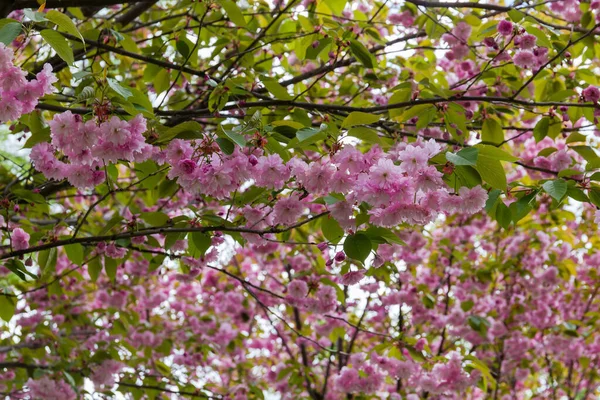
{"x": 317, "y": 199}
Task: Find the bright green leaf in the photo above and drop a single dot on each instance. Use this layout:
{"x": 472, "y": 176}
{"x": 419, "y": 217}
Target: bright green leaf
{"x": 362, "y": 54}
{"x": 59, "y": 44}
{"x": 557, "y": 189}
{"x": 233, "y": 12}
{"x": 357, "y": 246}
{"x": 492, "y": 131}
{"x": 75, "y": 253}
{"x": 8, "y": 304}
{"x": 9, "y": 32}
{"x": 64, "y": 23}
{"x": 467, "y": 156}
{"x": 359, "y": 118}
{"x": 332, "y": 230}
{"x": 117, "y": 87}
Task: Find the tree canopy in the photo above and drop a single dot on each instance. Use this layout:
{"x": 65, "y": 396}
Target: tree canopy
{"x": 285, "y": 199}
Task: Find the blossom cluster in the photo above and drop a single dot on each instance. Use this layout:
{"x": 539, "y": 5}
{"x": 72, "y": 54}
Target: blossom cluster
{"x": 400, "y": 187}
{"x": 87, "y": 147}
{"x": 19, "y": 96}
{"x": 49, "y": 389}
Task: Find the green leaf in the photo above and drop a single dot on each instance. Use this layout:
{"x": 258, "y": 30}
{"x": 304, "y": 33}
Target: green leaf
{"x": 233, "y": 12}
{"x": 541, "y": 129}
{"x": 59, "y": 44}
{"x": 332, "y": 230}
{"x": 467, "y": 305}
{"x": 8, "y": 304}
{"x": 379, "y": 234}
{"x": 182, "y": 48}
{"x": 276, "y": 89}
{"x": 468, "y": 175}
{"x": 503, "y": 215}
{"x": 64, "y": 23}
{"x": 587, "y": 152}
{"x": 359, "y": 118}
{"x": 236, "y": 137}
{"x": 362, "y": 54}
{"x": 161, "y": 81}
{"x": 117, "y": 87}
{"x": 47, "y": 261}
{"x": 155, "y": 218}
{"x": 18, "y": 269}
{"x": 37, "y": 137}
{"x": 576, "y": 137}
{"x": 594, "y": 195}
{"x": 400, "y": 96}
{"x": 29, "y": 196}
{"x": 94, "y": 268}
{"x": 35, "y": 15}
{"x": 305, "y": 134}
{"x": 187, "y": 128}
{"x": 557, "y": 188}
{"x": 365, "y": 134}
{"x": 75, "y": 253}
{"x": 9, "y": 32}
{"x": 358, "y": 246}
{"x": 493, "y": 197}
{"x": 492, "y": 131}
{"x": 86, "y": 93}
{"x": 519, "y": 209}
{"x": 491, "y": 171}
{"x": 337, "y": 6}
{"x": 467, "y": 156}
{"x": 494, "y": 153}
{"x": 516, "y": 15}
{"x": 201, "y": 241}
{"x": 313, "y": 52}
{"x": 226, "y": 145}
{"x": 110, "y": 266}
{"x": 577, "y": 194}
{"x": 479, "y": 324}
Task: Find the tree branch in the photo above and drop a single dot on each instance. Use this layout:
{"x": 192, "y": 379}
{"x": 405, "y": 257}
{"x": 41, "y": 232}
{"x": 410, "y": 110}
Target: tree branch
{"x": 153, "y": 231}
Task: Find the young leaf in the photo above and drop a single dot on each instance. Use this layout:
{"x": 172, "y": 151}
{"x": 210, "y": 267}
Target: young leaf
{"x": 94, "y": 268}
{"x": 492, "y": 131}
{"x": 331, "y": 230}
{"x": 358, "y": 246}
{"x": 8, "y": 304}
{"x": 226, "y": 145}
{"x": 233, "y": 12}
{"x": 64, "y": 23}
{"x": 541, "y": 129}
{"x": 362, "y": 54}
{"x": 110, "y": 266}
{"x": 359, "y": 118}
{"x": 201, "y": 241}
{"x": 121, "y": 90}
{"x": 75, "y": 253}
{"x": 495, "y": 153}
{"x": 276, "y": 89}
{"x": 9, "y": 32}
{"x": 557, "y": 188}
{"x": 155, "y": 218}
{"x": 467, "y": 156}
{"x": 59, "y": 44}
{"x": 492, "y": 172}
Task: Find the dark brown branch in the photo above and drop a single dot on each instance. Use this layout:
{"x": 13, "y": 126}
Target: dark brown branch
{"x": 135, "y": 12}
{"x": 165, "y": 390}
{"x": 483, "y": 6}
{"x": 153, "y": 231}
{"x": 21, "y": 4}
